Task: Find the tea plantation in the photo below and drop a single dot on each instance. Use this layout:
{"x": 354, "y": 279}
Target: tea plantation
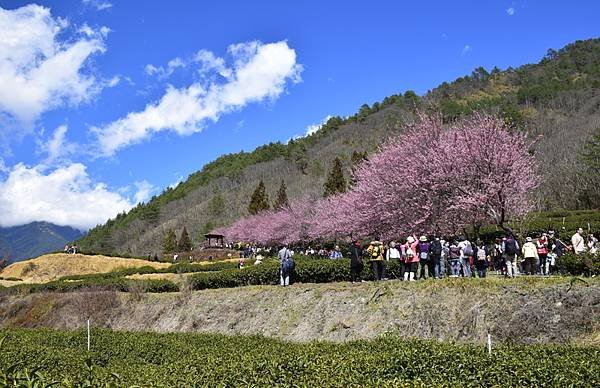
{"x": 127, "y": 359}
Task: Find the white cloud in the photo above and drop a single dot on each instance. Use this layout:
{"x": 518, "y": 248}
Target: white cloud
{"x": 178, "y": 180}
{"x": 259, "y": 72}
{"x": 311, "y": 129}
{"x": 39, "y": 72}
{"x": 57, "y": 147}
{"x": 208, "y": 61}
{"x": 3, "y": 167}
{"x": 98, "y": 4}
{"x": 466, "y": 49}
{"x": 64, "y": 196}
{"x": 510, "y": 11}
{"x": 114, "y": 81}
{"x": 143, "y": 192}
{"x": 163, "y": 72}
{"x": 151, "y": 69}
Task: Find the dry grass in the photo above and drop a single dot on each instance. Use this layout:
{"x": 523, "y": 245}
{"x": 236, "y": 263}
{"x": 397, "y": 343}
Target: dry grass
{"x": 51, "y": 267}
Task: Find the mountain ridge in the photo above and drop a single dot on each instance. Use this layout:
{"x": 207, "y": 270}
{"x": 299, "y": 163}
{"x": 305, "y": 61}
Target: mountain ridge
{"x": 34, "y": 239}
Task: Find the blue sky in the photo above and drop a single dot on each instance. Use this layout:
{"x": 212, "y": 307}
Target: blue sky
{"x": 104, "y": 103}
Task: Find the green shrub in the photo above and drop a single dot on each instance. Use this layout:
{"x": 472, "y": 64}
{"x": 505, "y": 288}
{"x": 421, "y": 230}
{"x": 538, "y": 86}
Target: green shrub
{"x": 187, "y": 360}
{"x": 113, "y": 284}
{"x": 585, "y": 264}
{"x": 308, "y": 270}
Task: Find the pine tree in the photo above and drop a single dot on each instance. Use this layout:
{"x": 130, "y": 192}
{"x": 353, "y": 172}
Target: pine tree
{"x": 259, "y": 200}
{"x": 169, "y": 244}
{"x": 184, "y": 244}
{"x": 336, "y": 183}
{"x": 282, "y": 200}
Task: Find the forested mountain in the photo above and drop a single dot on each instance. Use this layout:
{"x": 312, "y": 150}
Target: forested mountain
{"x": 556, "y": 100}
{"x": 34, "y": 239}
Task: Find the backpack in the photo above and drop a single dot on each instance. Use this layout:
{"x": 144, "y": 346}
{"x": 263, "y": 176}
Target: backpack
{"x": 409, "y": 252}
{"x": 542, "y": 250}
{"x": 510, "y": 247}
{"x": 288, "y": 265}
{"x": 423, "y": 254}
{"x": 468, "y": 250}
{"x": 454, "y": 252}
{"x": 436, "y": 248}
{"x": 481, "y": 254}
{"x": 375, "y": 251}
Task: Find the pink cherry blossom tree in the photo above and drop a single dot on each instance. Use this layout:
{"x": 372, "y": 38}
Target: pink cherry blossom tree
{"x": 433, "y": 179}
{"x": 430, "y": 179}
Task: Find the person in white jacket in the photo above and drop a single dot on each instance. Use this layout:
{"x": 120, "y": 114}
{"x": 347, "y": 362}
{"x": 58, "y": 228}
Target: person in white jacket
{"x": 578, "y": 242}
{"x": 392, "y": 252}
{"x": 530, "y": 256}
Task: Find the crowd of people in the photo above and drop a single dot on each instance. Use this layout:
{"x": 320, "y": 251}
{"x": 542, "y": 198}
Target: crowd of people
{"x": 427, "y": 257}
{"x": 70, "y": 249}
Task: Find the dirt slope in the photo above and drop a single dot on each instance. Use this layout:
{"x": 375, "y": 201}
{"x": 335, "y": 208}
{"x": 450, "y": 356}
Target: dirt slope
{"x": 522, "y": 310}
{"x": 53, "y": 266}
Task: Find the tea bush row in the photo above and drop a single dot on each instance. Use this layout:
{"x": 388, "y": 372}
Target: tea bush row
{"x": 308, "y": 270}
{"x": 116, "y": 284}
{"x": 179, "y": 359}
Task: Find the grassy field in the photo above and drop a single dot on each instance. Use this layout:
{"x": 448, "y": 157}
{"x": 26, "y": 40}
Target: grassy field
{"x": 54, "y": 266}
{"x": 145, "y": 359}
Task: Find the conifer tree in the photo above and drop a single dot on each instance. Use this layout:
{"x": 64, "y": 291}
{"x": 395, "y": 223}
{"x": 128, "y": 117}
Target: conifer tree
{"x": 336, "y": 183}
{"x": 282, "y": 200}
{"x": 259, "y": 200}
{"x": 169, "y": 244}
{"x": 184, "y": 244}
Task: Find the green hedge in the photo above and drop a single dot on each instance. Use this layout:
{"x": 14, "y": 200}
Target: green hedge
{"x": 113, "y": 284}
{"x": 191, "y": 360}
{"x": 308, "y": 270}
{"x": 586, "y": 264}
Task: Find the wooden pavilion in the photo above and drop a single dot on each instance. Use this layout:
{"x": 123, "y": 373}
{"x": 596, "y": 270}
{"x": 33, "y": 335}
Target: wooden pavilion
{"x": 214, "y": 240}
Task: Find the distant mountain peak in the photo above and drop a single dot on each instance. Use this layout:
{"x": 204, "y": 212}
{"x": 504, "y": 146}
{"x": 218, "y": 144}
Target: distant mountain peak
{"x": 34, "y": 239}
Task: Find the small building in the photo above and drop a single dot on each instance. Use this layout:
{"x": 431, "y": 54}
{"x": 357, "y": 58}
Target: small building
{"x": 214, "y": 240}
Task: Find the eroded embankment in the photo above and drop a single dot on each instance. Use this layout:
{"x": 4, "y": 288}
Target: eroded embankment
{"x": 520, "y": 310}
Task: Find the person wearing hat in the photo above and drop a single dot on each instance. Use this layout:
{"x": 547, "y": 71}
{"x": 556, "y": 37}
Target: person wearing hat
{"x": 530, "y": 256}
{"x": 411, "y": 258}
{"x": 423, "y": 249}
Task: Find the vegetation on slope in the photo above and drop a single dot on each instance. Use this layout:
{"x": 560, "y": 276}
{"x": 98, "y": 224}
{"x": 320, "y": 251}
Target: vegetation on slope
{"x": 127, "y": 359}
{"x": 557, "y": 95}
